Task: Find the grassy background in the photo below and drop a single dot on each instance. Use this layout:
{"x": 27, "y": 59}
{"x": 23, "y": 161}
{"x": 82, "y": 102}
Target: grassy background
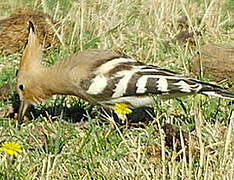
{"x": 55, "y": 148}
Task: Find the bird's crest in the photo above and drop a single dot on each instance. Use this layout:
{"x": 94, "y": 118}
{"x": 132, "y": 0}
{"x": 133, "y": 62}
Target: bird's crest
{"x": 31, "y": 27}
{"x": 32, "y": 54}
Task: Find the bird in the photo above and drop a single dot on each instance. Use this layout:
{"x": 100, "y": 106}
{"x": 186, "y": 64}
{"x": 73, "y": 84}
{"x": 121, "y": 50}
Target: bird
{"x": 103, "y": 77}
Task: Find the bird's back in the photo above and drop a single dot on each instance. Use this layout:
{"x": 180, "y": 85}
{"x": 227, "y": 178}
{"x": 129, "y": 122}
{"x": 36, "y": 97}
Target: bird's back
{"x": 110, "y": 77}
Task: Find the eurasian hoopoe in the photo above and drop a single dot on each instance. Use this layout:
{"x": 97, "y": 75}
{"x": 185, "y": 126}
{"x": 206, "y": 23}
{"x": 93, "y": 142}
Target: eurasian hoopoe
{"x": 103, "y": 77}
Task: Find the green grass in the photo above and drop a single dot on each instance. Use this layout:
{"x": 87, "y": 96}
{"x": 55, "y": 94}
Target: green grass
{"x": 55, "y": 148}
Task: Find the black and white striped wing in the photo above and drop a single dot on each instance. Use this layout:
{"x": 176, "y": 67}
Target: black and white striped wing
{"x": 123, "y": 79}
{"x": 127, "y": 80}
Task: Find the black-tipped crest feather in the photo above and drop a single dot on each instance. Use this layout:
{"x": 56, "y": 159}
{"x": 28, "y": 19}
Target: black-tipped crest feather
{"x": 31, "y": 27}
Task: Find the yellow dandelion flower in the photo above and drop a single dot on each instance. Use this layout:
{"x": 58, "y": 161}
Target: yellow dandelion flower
{"x": 11, "y": 148}
{"x": 122, "y": 108}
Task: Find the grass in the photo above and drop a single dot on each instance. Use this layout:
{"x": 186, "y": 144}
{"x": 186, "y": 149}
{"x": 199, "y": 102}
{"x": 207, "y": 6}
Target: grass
{"x": 54, "y": 148}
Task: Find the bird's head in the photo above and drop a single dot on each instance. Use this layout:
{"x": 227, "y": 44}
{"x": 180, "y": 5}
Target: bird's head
{"x": 29, "y": 69}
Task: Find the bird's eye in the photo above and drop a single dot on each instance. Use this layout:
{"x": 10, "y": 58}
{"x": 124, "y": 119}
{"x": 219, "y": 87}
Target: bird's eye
{"x": 21, "y": 87}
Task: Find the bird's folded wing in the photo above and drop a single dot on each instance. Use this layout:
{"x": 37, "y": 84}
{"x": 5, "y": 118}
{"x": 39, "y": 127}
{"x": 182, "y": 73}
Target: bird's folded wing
{"x": 124, "y": 77}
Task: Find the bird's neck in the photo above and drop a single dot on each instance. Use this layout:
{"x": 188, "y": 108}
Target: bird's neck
{"x": 55, "y": 80}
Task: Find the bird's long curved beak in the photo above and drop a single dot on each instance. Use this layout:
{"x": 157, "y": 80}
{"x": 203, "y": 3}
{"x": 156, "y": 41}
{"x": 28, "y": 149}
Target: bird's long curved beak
{"x": 23, "y": 108}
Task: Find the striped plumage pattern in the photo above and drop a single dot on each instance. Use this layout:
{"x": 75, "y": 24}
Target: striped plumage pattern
{"x": 105, "y": 77}
{"x": 123, "y": 79}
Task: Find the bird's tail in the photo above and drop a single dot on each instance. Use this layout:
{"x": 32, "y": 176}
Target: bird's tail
{"x": 216, "y": 91}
